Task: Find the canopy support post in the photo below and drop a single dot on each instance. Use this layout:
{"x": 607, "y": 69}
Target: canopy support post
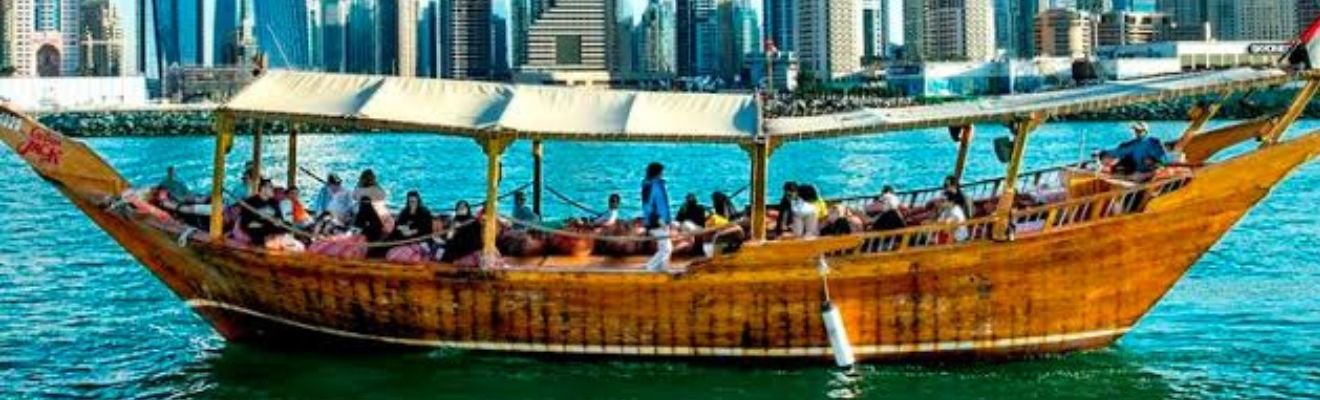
{"x": 759, "y": 153}
{"x": 490, "y": 227}
{"x": 224, "y": 133}
{"x": 1004, "y": 209}
{"x": 254, "y": 182}
{"x": 1200, "y": 115}
{"x": 964, "y": 143}
{"x": 538, "y": 178}
{"x": 293, "y": 157}
{"x": 1294, "y": 111}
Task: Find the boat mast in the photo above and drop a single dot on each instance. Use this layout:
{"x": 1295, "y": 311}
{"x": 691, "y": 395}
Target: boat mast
{"x": 254, "y": 184}
{"x": 1021, "y": 127}
{"x": 964, "y": 143}
{"x": 494, "y": 146}
{"x": 1298, "y": 105}
{"x": 538, "y": 153}
{"x": 293, "y": 157}
{"x": 759, "y": 153}
{"x": 224, "y": 134}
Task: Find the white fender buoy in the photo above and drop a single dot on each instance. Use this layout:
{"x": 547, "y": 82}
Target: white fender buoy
{"x": 833, "y": 319}
{"x": 838, "y": 334}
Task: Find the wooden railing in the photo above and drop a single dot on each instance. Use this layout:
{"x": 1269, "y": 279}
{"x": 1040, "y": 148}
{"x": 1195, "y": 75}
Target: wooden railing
{"x": 1025, "y": 222}
{"x": 1029, "y": 182}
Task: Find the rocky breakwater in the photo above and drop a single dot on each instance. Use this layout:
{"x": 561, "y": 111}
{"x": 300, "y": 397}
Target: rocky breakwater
{"x": 158, "y": 121}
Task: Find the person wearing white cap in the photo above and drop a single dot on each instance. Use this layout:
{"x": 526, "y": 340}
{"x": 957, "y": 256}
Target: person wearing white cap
{"x": 1141, "y": 155}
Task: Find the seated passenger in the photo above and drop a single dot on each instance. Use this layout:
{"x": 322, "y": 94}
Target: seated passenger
{"x": 522, "y": 211}
{"x": 367, "y": 222}
{"x": 691, "y": 215}
{"x": 950, "y": 213}
{"x": 837, "y": 222}
{"x": 368, "y": 187}
{"x": 333, "y": 201}
{"x": 462, "y": 213}
{"x": 251, "y": 178}
{"x": 292, "y": 206}
{"x": 1140, "y": 156}
{"x": 888, "y": 212}
{"x": 954, "y": 194}
{"x": 176, "y": 189}
{"x": 414, "y": 221}
{"x": 260, "y": 216}
{"x": 611, "y": 215}
{"x": 722, "y": 206}
{"x": 806, "y": 213}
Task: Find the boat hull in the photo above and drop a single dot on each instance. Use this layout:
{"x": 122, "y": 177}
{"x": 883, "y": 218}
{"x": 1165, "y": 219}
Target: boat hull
{"x": 1073, "y": 289}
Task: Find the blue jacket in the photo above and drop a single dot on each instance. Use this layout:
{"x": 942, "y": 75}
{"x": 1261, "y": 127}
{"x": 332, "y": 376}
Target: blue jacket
{"x": 655, "y": 203}
{"x": 1134, "y": 154}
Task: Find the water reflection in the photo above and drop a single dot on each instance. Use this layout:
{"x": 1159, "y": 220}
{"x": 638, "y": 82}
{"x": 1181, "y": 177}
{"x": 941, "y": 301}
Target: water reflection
{"x": 238, "y": 371}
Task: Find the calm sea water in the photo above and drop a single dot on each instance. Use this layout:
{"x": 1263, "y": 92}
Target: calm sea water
{"x": 79, "y": 318}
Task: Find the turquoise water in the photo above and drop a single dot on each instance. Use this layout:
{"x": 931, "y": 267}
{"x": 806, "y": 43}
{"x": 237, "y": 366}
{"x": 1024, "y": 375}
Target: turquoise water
{"x": 79, "y": 318}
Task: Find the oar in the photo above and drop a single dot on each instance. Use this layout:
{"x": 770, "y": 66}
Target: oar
{"x": 311, "y": 174}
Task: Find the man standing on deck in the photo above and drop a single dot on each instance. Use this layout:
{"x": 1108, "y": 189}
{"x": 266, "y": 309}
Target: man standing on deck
{"x": 655, "y": 208}
{"x": 522, "y": 211}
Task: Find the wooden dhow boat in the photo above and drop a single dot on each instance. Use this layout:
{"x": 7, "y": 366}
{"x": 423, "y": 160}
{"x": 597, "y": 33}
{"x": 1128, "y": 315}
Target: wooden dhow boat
{"x": 1073, "y": 272}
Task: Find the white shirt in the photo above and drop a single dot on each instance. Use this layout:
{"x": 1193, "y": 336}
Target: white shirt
{"x": 806, "y": 219}
{"x": 954, "y": 215}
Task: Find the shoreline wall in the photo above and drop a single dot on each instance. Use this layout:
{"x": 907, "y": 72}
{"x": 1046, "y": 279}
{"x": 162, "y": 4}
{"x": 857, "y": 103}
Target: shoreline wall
{"x": 198, "y": 122}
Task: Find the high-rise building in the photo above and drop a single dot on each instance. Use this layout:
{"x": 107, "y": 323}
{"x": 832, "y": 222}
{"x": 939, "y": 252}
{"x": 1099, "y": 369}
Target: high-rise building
{"x": 873, "y": 38}
{"x": 148, "y": 61}
{"x": 658, "y": 35}
{"x": 468, "y": 40}
{"x": 1123, "y": 27}
{"x": 405, "y": 36}
{"x": 223, "y": 21}
{"x": 747, "y": 30}
{"x": 624, "y": 58}
{"x": 1015, "y": 22}
{"x": 282, "y": 28}
{"x": 45, "y": 41}
{"x": 914, "y": 29}
{"x": 1095, "y": 7}
{"x": 571, "y": 35}
{"x": 315, "y": 34}
{"x": 334, "y": 20}
{"x": 499, "y": 39}
{"x": 521, "y": 15}
{"x": 360, "y": 50}
{"x": 1064, "y": 32}
{"x": 959, "y": 30}
{"x": 428, "y": 38}
{"x": 386, "y": 18}
{"x": 1255, "y": 19}
{"x": 891, "y": 27}
{"x": 736, "y": 35}
{"x": 781, "y": 23}
{"x": 102, "y": 39}
{"x": 709, "y": 41}
{"x": 1307, "y": 12}
{"x": 6, "y": 34}
{"x": 828, "y": 34}
{"x": 1191, "y": 18}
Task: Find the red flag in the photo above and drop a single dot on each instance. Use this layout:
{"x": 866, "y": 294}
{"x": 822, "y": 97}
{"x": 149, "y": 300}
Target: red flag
{"x": 770, "y": 47}
{"x": 1306, "y": 49}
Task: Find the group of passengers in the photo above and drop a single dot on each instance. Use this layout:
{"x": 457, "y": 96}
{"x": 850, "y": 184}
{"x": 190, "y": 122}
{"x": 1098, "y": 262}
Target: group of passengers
{"x": 803, "y": 214}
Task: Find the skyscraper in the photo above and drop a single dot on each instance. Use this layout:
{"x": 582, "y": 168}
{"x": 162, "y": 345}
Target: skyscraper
{"x": 1014, "y": 26}
{"x": 707, "y": 37}
{"x": 45, "y": 37}
{"x": 499, "y": 38}
{"x": 406, "y": 36}
{"x": 225, "y": 20}
{"x": 685, "y": 40}
{"x": 570, "y": 35}
{"x": 1254, "y": 19}
{"x": 1307, "y": 12}
{"x": 428, "y": 38}
{"x": 914, "y": 29}
{"x": 521, "y": 15}
{"x": 6, "y": 34}
{"x": 360, "y": 50}
{"x": 282, "y": 28}
{"x": 468, "y": 42}
{"x": 781, "y": 23}
{"x": 102, "y": 39}
{"x": 873, "y": 38}
{"x": 315, "y": 34}
{"x": 148, "y": 61}
{"x": 959, "y": 30}
{"x": 1129, "y": 27}
{"x": 827, "y": 38}
{"x": 1191, "y": 18}
{"x": 386, "y": 36}
{"x": 657, "y": 27}
{"x": 334, "y": 18}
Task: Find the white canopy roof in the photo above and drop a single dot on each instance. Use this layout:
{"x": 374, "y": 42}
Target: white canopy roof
{"x": 464, "y": 107}
{"x": 479, "y": 108}
{"x": 1005, "y": 108}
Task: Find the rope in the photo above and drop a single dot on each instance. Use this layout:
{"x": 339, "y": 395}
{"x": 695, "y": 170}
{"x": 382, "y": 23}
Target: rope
{"x": 183, "y": 237}
{"x": 572, "y": 202}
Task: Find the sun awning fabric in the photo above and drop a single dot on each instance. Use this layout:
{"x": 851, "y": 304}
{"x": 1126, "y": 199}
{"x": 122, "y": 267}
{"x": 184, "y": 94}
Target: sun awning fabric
{"x": 1005, "y": 108}
{"x": 476, "y": 108}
